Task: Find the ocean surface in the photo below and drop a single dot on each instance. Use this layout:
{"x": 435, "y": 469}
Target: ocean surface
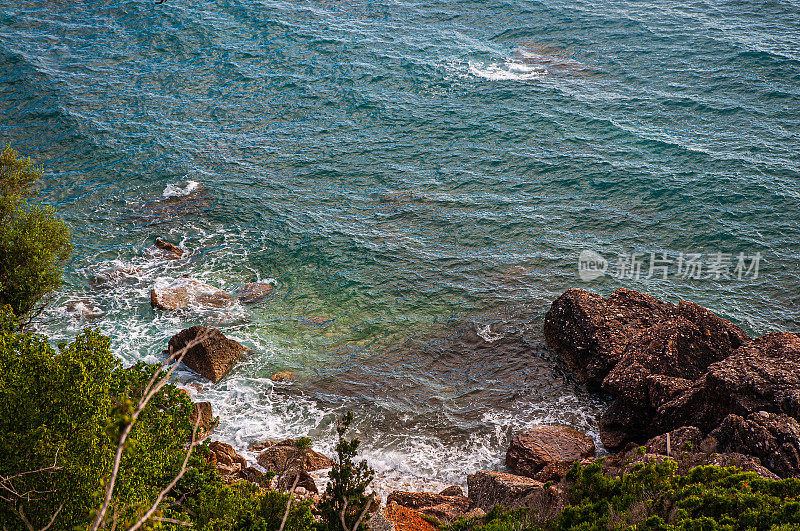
{"x": 418, "y": 180}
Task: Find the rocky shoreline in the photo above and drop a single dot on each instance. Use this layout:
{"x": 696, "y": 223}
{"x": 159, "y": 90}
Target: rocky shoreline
{"x": 687, "y": 385}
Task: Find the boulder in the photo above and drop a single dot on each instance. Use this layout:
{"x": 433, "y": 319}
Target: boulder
{"x": 254, "y": 292}
{"x": 681, "y": 440}
{"x": 445, "y": 508}
{"x": 488, "y": 488}
{"x": 548, "y": 451}
{"x": 591, "y": 333}
{"x": 280, "y": 457}
{"x": 304, "y": 481}
{"x": 170, "y": 250}
{"x": 212, "y": 357}
{"x": 762, "y": 375}
{"x": 185, "y": 292}
{"x": 773, "y": 438}
{"x": 453, "y": 490}
{"x": 405, "y": 519}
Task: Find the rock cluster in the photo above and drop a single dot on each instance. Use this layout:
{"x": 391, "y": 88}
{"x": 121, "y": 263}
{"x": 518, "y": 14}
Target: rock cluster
{"x": 680, "y": 367}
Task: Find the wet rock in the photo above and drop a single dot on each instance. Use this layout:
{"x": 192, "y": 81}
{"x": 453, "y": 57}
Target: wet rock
{"x": 548, "y": 451}
{"x": 254, "y": 291}
{"x": 212, "y": 357}
{"x": 591, "y": 333}
{"x": 405, "y": 519}
{"x": 84, "y": 309}
{"x": 304, "y": 481}
{"x": 282, "y": 376}
{"x": 283, "y": 456}
{"x": 112, "y": 277}
{"x": 170, "y": 250}
{"x": 185, "y": 292}
{"x": 445, "y": 508}
{"x": 488, "y": 488}
{"x": 773, "y": 438}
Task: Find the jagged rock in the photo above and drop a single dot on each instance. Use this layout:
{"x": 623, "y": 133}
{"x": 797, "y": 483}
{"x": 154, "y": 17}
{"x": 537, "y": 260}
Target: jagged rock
{"x": 683, "y": 439}
{"x": 662, "y": 389}
{"x": 212, "y": 357}
{"x": 304, "y": 481}
{"x": 762, "y": 375}
{"x": 206, "y": 414}
{"x": 171, "y": 251}
{"x": 254, "y": 475}
{"x": 443, "y": 507}
{"x": 379, "y": 522}
{"x": 405, "y": 519}
{"x": 254, "y": 291}
{"x": 224, "y": 454}
{"x": 488, "y": 488}
{"x": 547, "y": 450}
{"x": 773, "y": 438}
{"x": 185, "y": 292}
{"x": 453, "y": 490}
{"x": 283, "y": 456}
{"x": 591, "y": 333}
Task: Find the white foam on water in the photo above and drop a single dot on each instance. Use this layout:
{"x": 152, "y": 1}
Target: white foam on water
{"x": 509, "y": 70}
{"x": 180, "y": 189}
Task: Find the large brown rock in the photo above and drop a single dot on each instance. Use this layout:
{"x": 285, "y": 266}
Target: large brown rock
{"x": 773, "y": 438}
{"x": 591, "y": 333}
{"x": 405, "y": 519}
{"x": 281, "y": 457}
{"x": 762, "y": 375}
{"x": 212, "y": 357}
{"x": 488, "y": 488}
{"x": 547, "y": 449}
{"x": 185, "y": 292}
{"x": 442, "y": 507}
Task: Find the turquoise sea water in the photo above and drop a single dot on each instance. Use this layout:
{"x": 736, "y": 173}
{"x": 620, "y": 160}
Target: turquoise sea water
{"x": 409, "y": 174}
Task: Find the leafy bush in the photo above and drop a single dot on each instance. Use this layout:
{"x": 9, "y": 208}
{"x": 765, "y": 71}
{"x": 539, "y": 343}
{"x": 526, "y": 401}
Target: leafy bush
{"x": 71, "y": 404}
{"x": 34, "y": 244}
{"x": 346, "y": 491}
{"x": 654, "y": 496}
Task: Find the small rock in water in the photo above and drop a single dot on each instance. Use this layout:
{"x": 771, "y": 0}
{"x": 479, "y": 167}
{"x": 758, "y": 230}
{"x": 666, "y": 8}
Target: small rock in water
{"x": 84, "y": 309}
{"x": 254, "y": 292}
{"x": 185, "y": 292}
{"x": 282, "y": 376}
{"x": 116, "y": 276}
{"x": 284, "y": 456}
{"x": 212, "y": 357}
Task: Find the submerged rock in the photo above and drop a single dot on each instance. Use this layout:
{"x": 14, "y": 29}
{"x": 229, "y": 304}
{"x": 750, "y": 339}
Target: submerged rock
{"x": 546, "y": 453}
{"x": 84, "y": 309}
{"x": 170, "y": 250}
{"x": 253, "y": 292}
{"x": 185, "y": 292}
{"x": 212, "y": 357}
{"x": 282, "y": 376}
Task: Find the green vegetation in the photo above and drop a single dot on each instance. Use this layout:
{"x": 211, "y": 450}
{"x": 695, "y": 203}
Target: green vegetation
{"x": 34, "y": 244}
{"x": 654, "y": 496}
{"x": 345, "y": 497}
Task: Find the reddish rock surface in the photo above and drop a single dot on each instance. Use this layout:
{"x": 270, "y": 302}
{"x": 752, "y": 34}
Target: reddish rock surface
{"x": 405, "y": 519}
{"x": 212, "y": 357}
{"x": 171, "y": 250}
{"x": 548, "y": 451}
{"x": 283, "y": 456}
{"x": 445, "y": 508}
{"x": 254, "y": 291}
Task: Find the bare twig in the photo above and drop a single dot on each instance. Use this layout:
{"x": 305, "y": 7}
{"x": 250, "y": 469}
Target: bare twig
{"x": 153, "y": 386}
{"x": 165, "y": 491}
{"x": 289, "y": 503}
{"x": 172, "y": 521}
{"x": 363, "y": 512}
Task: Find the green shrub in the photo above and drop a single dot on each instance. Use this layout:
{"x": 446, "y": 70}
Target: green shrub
{"x": 34, "y": 244}
{"x": 655, "y": 496}
{"x": 348, "y": 483}
{"x": 72, "y": 403}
